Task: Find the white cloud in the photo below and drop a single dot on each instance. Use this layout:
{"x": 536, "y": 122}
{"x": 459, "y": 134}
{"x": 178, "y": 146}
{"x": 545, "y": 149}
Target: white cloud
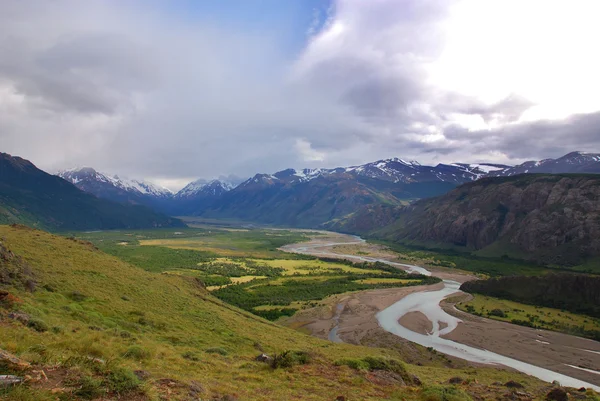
{"x": 307, "y": 153}
{"x": 125, "y": 88}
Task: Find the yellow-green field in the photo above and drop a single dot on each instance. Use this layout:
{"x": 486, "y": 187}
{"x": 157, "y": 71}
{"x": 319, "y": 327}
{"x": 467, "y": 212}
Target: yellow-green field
{"x": 546, "y": 318}
{"x": 313, "y": 267}
{"x": 383, "y": 281}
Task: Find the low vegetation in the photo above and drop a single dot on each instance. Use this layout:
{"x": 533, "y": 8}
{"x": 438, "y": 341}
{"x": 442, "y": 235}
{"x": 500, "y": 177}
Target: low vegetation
{"x": 117, "y": 331}
{"x": 280, "y": 281}
{"x": 533, "y": 316}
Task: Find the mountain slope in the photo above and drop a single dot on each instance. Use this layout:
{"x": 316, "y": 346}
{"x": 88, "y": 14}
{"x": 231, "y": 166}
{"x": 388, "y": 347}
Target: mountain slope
{"x": 134, "y": 192}
{"x": 91, "y": 320}
{"x": 551, "y": 219}
{"x": 34, "y": 197}
{"x": 574, "y": 162}
{"x": 196, "y": 196}
{"x": 282, "y": 199}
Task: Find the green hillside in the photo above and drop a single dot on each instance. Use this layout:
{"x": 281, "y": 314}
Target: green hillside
{"x": 89, "y": 320}
{"x": 32, "y": 197}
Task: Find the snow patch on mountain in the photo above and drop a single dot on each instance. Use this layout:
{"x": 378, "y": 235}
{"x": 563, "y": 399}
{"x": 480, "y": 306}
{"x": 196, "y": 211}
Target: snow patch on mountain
{"x": 79, "y": 174}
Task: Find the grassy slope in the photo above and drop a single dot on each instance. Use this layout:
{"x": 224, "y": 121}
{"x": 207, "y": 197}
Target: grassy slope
{"x": 99, "y": 306}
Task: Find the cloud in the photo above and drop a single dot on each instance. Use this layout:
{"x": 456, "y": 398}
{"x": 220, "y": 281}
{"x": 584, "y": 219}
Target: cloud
{"x": 137, "y": 90}
{"x": 307, "y": 152}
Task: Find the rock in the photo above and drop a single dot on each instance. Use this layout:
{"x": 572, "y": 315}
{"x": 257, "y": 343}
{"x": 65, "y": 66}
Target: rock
{"x": 142, "y": 374}
{"x": 12, "y": 362}
{"x": 513, "y": 384}
{"x": 456, "y": 380}
{"x": 20, "y": 317}
{"x": 9, "y": 380}
{"x": 195, "y": 389}
{"x": 557, "y": 394}
{"x": 263, "y": 358}
{"x": 415, "y": 380}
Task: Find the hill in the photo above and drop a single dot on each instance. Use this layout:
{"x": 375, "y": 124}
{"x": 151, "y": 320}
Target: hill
{"x": 29, "y": 195}
{"x": 102, "y": 329}
{"x": 549, "y": 219}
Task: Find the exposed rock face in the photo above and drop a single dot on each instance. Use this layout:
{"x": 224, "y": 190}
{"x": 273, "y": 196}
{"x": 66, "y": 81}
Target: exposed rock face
{"x": 545, "y": 218}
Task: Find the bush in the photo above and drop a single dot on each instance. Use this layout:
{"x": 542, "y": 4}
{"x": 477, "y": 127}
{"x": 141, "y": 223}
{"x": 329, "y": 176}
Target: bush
{"x": 137, "y": 352}
{"x": 374, "y": 363}
{"x": 497, "y": 312}
{"x": 438, "y": 393}
{"x": 38, "y": 325}
{"x": 287, "y": 359}
{"x": 216, "y": 350}
{"x": 121, "y": 380}
{"x": 88, "y": 388}
{"x": 357, "y": 364}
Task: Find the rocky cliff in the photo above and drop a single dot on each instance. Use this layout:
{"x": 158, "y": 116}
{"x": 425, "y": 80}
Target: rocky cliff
{"x": 551, "y": 219}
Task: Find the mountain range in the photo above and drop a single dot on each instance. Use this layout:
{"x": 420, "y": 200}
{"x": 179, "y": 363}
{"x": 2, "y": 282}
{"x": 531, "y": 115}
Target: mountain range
{"x": 30, "y": 195}
{"x": 546, "y": 211}
{"x": 311, "y": 197}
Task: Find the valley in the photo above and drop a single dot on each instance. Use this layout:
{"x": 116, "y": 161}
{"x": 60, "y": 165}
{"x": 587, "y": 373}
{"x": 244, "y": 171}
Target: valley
{"x": 100, "y": 328}
{"x": 414, "y": 315}
{"x": 388, "y": 309}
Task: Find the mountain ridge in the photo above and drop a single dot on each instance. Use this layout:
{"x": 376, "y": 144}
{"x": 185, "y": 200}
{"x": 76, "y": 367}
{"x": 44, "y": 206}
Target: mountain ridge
{"x": 30, "y": 195}
{"x": 551, "y": 219}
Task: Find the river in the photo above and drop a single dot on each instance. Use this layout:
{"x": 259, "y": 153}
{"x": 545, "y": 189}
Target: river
{"x": 428, "y": 303}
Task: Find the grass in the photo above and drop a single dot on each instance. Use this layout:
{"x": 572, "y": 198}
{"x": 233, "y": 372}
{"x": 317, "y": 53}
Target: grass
{"x": 247, "y": 282}
{"x": 529, "y": 315}
{"x": 124, "y": 318}
{"x": 252, "y": 243}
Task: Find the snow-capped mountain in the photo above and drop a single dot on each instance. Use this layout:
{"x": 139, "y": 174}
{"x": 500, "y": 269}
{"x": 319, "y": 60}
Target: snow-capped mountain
{"x": 304, "y": 197}
{"x": 115, "y": 188}
{"x": 574, "y": 162}
{"x": 390, "y": 170}
{"x": 204, "y": 187}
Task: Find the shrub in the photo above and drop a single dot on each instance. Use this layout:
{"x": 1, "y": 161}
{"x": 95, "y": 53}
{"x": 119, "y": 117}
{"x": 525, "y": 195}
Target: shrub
{"x": 216, "y": 350}
{"x": 88, "y": 388}
{"x": 121, "y": 380}
{"x": 357, "y": 364}
{"x": 137, "y": 352}
{"x": 38, "y": 325}
{"x": 389, "y": 365}
{"x": 374, "y": 363}
{"x": 288, "y": 358}
{"x": 438, "y": 393}
{"x": 497, "y": 312}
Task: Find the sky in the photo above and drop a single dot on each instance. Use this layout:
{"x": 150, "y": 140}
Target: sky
{"x": 171, "y": 91}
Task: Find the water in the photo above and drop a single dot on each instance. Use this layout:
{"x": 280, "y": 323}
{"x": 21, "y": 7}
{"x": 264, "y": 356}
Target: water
{"x": 333, "y": 335}
{"x": 428, "y": 303}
